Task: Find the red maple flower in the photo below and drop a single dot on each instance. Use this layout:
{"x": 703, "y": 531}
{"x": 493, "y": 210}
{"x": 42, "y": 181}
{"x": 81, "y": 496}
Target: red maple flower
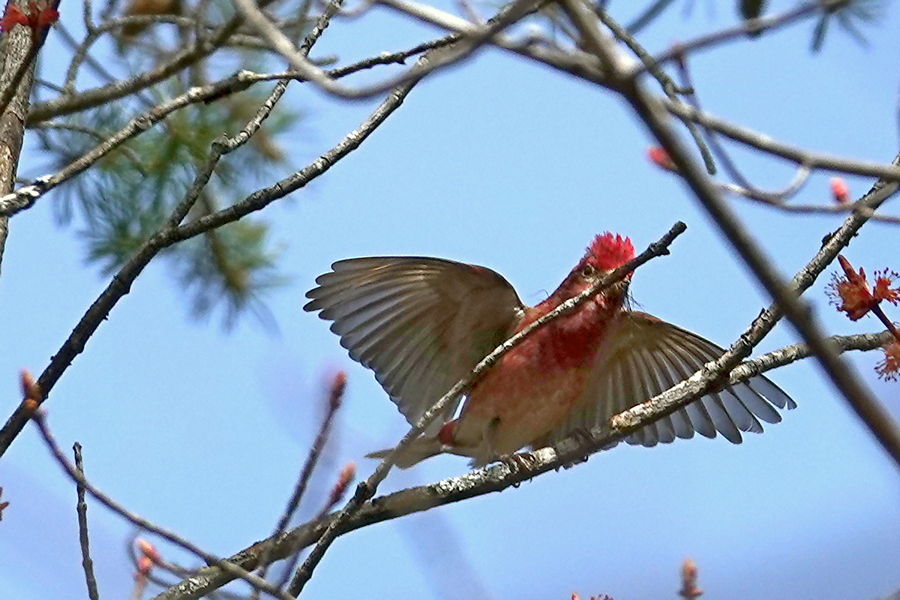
{"x": 149, "y": 550}
{"x": 144, "y": 566}
{"x": 883, "y": 289}
{"x": 39, "y": 15}
{"x": 44, "y": 16}
{"x": 889, "y": 368}
{"x": 851, "y": 293}
{"x": 12, "y": 16}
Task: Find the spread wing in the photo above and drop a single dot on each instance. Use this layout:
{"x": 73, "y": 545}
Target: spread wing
{"x": 421, "y": 324}
{"x": 648, "y": 356}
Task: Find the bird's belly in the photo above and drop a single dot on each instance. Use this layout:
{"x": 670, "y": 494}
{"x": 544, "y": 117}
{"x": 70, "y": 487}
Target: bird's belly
{"x": 513, "y": 408}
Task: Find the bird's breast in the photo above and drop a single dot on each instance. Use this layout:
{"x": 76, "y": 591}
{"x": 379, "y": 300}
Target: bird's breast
{"x": 531, "y": 389}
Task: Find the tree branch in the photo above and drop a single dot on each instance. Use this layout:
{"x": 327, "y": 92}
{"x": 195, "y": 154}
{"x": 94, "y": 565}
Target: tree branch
{"x": 479, "y": 482}
{"x": 171, "y": 234}
{"x": 652, "y": 113}
{"x": 234, "y": 571}
{"x": 83, "y": 538}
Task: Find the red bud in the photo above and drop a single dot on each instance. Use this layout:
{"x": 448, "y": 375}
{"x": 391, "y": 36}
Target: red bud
{"x": 149, "y": 550}
{"x": 338, "y": 386}
{"x": 30, "y": 389}
{"x": 346, "y": 477}
{"x": 661, "y": 159}
{"x": 839, "y": 190}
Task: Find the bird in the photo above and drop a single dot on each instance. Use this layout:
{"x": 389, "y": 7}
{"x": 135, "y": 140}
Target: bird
{"x": 422, "y": 324}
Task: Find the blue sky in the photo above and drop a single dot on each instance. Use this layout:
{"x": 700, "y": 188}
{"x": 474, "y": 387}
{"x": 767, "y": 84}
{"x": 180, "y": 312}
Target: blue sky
{"x": 512, "y": 166}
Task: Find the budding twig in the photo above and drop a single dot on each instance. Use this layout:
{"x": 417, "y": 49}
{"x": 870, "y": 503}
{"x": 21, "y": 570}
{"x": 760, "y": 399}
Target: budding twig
{"x": 81, "y": 508}
{"x": 234, "y": 571}
{"x": 336, "y": 390}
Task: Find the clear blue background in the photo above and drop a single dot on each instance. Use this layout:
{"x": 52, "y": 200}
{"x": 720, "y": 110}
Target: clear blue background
{"x": 510, "y": 165}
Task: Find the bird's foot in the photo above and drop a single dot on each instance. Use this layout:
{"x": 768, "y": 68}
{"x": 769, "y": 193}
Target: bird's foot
{"x": 519, "y": 461}
{"x": 580, "y": 436}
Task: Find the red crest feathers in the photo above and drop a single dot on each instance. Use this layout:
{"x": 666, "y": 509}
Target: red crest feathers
{"x": 609, "y": 251}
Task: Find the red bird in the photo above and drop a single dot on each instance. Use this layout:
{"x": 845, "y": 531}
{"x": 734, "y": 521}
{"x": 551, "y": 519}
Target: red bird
{"x": 421, "y": 324}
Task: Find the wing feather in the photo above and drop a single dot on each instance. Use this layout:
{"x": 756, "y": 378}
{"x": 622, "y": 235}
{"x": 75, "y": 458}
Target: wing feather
{"x": 666, "y": 378}
{"x": 646, "y": 356}
{"x": 421, "y": 324}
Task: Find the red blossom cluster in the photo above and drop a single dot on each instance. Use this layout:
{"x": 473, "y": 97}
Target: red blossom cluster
{"x": 851, "y": 292}
{"x": 148, "y": 556}
{"x": 889, "y": 367}
{"x": 853, "y": 295}
{"x": 39, "y": 15}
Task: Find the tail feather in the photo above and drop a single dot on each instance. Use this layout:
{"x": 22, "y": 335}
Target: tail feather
{"x": 420, "y": 449}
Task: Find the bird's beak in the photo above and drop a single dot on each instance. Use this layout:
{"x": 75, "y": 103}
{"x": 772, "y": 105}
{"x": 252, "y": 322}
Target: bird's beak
{"x": 618, "y": 292}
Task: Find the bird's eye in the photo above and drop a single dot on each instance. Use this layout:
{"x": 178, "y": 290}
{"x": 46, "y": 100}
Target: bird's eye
{"x": 587, "y": 271}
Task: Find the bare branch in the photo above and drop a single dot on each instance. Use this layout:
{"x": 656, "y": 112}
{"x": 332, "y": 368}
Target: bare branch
{"x": 739, "y": 32}
{"x": 335, "y": 399}
{"x": 806, "y": 158}
{"x": 65, "y": 105}
{"x": 25, "y": 196}
{"x": 171, "y": 233}
{"x": 77, "y": 477}
{"x": 651, "y": 111}
{"x": 479, "y": 482}
{"x": 474, "y": 36}
{"x": 84, "y": 540}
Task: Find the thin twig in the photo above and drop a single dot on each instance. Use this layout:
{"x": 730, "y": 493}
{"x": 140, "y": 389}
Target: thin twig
{"x": 776, "y": 198}
{"x": 169, "y": 234}
{"x": 169, "y": 568}
{"x": 65, "y": 105}
{"x": 668, "y": 86}
{"x": 25, "y": 196}
{"x": 781, "y": 357}
{"x": 84, "y": 540}
{"x": 335, "y": 399}
{"x": 475, "y": 37}
{"x": 263, "y": 197}
{"x": 821, "y": 209}
{"x": 747, "y": 188}
{"x": 81, "y": 50}
{"x": 796, "y": 154}
{"x": 37, "y": 416}
{"x": 739, "y": 32}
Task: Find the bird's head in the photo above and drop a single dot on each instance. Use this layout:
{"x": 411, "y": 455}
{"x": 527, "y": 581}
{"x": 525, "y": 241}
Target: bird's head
{"x": 606, "y": 253}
